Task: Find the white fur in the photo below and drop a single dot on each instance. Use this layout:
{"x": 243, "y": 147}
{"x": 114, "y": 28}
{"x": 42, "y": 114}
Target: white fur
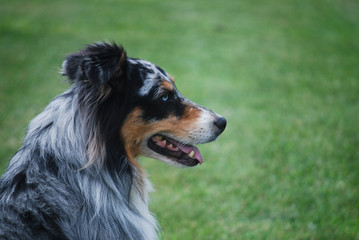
{"x": 153, "y": 76}
{"x": 147, "y": 221}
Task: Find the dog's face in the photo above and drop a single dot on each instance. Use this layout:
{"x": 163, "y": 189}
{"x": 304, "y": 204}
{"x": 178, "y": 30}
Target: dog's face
{"x": 164, "y": 125}
{"x": 159, "y": 122}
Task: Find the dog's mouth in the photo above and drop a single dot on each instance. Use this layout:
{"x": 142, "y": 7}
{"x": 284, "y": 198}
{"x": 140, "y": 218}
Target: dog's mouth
{"x": 181, "y": 153}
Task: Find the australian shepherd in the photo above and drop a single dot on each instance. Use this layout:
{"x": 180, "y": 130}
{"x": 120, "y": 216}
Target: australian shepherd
{"x": 77, "y": 175}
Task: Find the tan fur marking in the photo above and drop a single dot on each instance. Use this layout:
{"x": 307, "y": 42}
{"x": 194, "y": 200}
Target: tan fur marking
{"x": 131, "y": 137}
{"x": 135, "y": 130}
{"x": 172, "y": 79}
{"x": 168, "y": 86}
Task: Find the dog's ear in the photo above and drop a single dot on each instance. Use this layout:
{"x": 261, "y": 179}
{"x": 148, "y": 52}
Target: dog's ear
{"x": 97, "y": 63}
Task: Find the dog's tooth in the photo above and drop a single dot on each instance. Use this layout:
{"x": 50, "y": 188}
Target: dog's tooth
{"x": 170, "y": 145}
{"x": 164, "y": 141}
{"x": 191, "y": 154}
{"x": 158, "y": 137}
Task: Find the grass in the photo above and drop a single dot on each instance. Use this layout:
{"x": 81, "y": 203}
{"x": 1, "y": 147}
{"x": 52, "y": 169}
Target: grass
{"x": 284, "y": 73}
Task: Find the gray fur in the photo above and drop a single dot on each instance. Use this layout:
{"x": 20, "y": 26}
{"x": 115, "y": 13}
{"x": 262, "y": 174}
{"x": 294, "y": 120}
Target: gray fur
{"x": 60, "y": 199}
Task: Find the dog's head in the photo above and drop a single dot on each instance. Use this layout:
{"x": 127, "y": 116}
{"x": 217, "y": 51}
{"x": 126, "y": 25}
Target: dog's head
{"x": 137, "y": 105}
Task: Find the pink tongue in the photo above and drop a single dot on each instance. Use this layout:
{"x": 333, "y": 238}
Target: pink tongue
{"x": 187, "y": 149}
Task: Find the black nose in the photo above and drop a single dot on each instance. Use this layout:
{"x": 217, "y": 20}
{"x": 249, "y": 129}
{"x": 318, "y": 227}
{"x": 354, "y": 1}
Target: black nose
{"x": 220, "y": 123}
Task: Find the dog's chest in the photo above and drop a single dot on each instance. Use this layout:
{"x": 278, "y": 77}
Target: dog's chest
{"x": 147, "y": 224}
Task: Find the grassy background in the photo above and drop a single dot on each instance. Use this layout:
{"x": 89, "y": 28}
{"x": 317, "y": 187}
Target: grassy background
{"x": 284, "y": 73}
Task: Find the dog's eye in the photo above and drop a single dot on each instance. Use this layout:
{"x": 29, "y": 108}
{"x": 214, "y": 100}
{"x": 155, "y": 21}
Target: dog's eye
{"x": 164, "y": 98}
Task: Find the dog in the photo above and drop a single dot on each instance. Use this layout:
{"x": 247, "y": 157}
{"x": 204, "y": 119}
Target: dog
{"x": 77, "y": 175}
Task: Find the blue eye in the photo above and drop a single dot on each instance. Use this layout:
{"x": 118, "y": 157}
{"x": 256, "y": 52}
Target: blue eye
{"x": 165, "y": 98}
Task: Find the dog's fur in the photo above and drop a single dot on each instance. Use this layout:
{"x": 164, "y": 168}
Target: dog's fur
{"x": 77, "y": 175}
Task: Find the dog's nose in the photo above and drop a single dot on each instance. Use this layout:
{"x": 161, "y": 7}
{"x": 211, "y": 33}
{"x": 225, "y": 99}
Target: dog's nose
{"x": 220, "y": 123}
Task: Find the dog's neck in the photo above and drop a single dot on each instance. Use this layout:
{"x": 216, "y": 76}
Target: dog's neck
{"x": 119, "y": 193}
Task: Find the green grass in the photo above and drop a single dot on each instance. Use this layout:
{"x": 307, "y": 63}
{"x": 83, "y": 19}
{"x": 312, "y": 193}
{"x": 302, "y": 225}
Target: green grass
{"x": 284, "y": 73}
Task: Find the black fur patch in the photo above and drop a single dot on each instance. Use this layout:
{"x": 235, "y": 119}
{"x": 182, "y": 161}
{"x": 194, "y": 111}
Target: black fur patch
{"x": 97, "y": 63}
{"x": 157, "y": 109}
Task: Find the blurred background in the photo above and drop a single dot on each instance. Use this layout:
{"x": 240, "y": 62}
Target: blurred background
{"x": 284, "y": 73}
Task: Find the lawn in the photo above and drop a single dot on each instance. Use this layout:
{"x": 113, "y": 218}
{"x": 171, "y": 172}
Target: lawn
{"x": 284, "y": 73}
